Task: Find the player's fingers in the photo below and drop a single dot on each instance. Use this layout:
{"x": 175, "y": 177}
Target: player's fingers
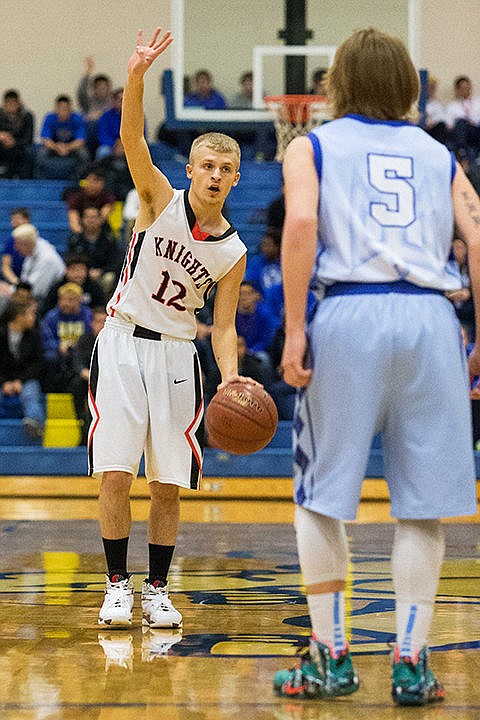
{"x": 164, "y": 42}
{"x": 139, "y": 38}
{"x": 155, "y": 35}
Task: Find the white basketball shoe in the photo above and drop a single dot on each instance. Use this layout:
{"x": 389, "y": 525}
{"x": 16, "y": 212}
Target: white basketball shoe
{"x": 157, "y": 608}
{"x": 116, "y": 610}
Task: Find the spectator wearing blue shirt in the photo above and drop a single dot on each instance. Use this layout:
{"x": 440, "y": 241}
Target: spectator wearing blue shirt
{"x": 108, "y": 127}
{"x": 61, "y": 329}
{"x": 12, "y": 260}
{"x": 63, "y": 137}
{"x": 204, "y": 94}
{"x": 263, "y": 269}
{"x": 255, "y": 322}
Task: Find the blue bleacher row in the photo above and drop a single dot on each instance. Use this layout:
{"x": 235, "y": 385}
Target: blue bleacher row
{"x": 246, "y": 205}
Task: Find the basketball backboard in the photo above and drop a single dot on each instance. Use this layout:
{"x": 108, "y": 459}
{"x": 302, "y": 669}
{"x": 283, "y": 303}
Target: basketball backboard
{"x": 230, "y": 38}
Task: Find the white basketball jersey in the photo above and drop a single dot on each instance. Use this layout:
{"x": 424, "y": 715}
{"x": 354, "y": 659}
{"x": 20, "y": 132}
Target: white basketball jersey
{"x": 170, "y": 269}
{"x": 385, "y": 205}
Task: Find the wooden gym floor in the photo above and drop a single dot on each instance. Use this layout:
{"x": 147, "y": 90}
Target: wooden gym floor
{"x": 235, "y": 578}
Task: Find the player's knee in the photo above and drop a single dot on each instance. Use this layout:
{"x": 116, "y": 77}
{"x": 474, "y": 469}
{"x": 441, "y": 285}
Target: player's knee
{"x": 116, "y": 482}
{"x": 163, "y": 492}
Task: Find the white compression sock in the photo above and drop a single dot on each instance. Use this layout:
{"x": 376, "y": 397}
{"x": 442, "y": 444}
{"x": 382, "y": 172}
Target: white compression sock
{"x": 417, "y": 555}
{"x": 323, "y": 552}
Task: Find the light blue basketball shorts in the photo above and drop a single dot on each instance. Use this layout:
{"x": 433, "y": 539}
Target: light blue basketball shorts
{"x": 395, "y": 364}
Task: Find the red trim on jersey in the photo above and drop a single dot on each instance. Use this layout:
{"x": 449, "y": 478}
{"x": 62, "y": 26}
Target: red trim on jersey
{"x": 125, "y": 274}
{"x": 97, "y": 419}
{"x": 191, "y": 443}
{"x": 199, "y": 234}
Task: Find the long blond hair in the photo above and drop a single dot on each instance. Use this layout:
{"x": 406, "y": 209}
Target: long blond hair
{"x": 372, "y": 75}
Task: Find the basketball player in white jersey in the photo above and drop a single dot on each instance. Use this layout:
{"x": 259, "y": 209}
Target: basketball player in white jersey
{"x": 145, "y": 388}
{"x": 371, "y": 201}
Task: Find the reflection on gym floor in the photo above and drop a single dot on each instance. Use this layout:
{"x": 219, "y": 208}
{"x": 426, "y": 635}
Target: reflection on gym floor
{"x": 239, "y": 589}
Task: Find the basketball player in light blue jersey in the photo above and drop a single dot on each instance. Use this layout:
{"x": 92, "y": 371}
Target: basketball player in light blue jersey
{"x": 371, "y": 202}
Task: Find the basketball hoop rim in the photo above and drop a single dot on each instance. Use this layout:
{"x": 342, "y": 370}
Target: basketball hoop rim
{"x": 293, "y": 99}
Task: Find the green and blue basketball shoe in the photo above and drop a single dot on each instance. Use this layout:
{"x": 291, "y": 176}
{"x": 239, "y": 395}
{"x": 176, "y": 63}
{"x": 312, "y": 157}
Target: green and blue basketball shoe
{"x": 413, "y": 683}
{"x": 320, "y": 674}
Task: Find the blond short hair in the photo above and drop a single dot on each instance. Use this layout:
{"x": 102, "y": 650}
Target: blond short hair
{"x": 216, "y": 141}
{"x": 372, "y": 75}
{"x": 26, "y": 231}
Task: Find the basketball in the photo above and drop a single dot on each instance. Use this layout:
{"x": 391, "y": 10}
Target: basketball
{"x": 241, "y": 418}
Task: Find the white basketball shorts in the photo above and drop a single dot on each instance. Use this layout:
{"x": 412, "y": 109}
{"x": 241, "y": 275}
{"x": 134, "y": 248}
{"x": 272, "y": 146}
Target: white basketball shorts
{"x": 395, "y": 364}
{"x": 145, "y": 396}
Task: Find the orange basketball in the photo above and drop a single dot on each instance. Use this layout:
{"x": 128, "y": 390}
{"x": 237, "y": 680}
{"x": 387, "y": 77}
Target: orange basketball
{"x": 241, "y": 418}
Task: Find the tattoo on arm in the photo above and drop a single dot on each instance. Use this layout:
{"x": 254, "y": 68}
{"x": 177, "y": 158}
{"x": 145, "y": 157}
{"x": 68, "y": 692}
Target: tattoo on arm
{"x": 471, "y": 207}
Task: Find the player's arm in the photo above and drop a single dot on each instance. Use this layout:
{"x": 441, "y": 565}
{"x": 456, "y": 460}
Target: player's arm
{"x": 224, "y": 334}
{"x": 466, "y": 207}
{"x": 154, "y": 190}
{"x": 299, "y": 242}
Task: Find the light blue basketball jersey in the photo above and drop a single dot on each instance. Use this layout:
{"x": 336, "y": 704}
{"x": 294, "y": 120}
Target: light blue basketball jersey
{"x": 385, "y": 205}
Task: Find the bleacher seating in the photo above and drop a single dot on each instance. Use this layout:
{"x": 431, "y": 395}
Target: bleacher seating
{"x": 246, "y": 205}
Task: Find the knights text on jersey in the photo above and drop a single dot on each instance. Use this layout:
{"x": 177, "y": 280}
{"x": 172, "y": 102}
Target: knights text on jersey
{"x": 170, "y": 269}
{"x": 385, "y": 204}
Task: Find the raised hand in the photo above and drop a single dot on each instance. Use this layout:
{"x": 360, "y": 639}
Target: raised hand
{"x": 144, "y": 55}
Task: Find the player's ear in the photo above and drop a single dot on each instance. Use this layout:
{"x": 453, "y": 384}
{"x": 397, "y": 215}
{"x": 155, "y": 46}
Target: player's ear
{"x": 237, "y": 178}
{"x": 188, "y": 169}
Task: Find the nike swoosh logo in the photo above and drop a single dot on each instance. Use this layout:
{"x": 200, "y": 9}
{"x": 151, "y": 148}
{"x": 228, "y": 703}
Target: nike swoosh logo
{"x": 177, "y": 382}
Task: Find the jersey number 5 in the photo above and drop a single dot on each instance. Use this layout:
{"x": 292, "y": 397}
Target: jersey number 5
{"x": 174, "y": 301}
{"x": 389, "y": 174}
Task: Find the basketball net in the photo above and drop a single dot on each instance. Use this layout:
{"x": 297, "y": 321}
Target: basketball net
{"x": 295, "y": 115}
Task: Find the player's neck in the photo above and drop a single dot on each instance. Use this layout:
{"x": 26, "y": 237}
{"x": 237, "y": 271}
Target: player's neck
{"x": 209, "y": 217}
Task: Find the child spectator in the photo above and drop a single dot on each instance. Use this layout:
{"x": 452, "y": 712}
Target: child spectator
{"x": 61, "y": 329}
{"x": 21, "y": 358}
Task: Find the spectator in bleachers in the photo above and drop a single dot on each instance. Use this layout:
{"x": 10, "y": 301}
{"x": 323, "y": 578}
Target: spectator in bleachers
{"x": 254, "y": 322}
{"x": 94, "y": 97}
{"x": 463, "y": 119}
{"x": 19, "y": 293}
{"x": 64, "y": 153}
{"x": 249, "y": 365}
{"x": 42, "y": 265}
{"x": 204, "y": 93}
{"x": 318, "y": 80}
{"x": 259, "y": 144}
{"x": 276, "y": 213}
{"x": 61, "y": 330}
{"x": 16, "y": 137}
{"x": 462, "y": 299}
{"x": 94, "y": 92}
{"x": 131, "y": 209}
{"x": 108, "y": 128}
{"x": 77, "y": 272}
{"x": 12, "y": 260}
{"x": 243, "y": 99}
{"x": 91, "y": 194}
{"x": 98, "y": 244}
{"x": 283, "y": 394}
{"x": 21, "y": 358}
{"x": 263, "y": 269}
{"x": 81, "y": 355}
{"x": 435, "y": 113}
